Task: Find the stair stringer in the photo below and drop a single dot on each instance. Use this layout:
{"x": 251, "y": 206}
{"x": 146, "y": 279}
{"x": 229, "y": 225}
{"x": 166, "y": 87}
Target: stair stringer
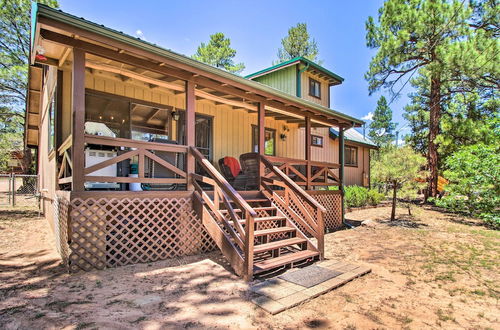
{"x": 220, "y": 237}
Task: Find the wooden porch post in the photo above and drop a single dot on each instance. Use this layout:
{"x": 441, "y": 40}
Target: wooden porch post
{"x": 341, "y": 169}
{"x": 261, "y": 148}
{"x": 190, "y": 133}
{"x": 308, "y": 152}
{"x": 78, "y": 115}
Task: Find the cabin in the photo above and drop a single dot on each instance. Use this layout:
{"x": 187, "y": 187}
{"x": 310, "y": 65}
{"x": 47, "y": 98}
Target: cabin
{"x": 145, "y": 154}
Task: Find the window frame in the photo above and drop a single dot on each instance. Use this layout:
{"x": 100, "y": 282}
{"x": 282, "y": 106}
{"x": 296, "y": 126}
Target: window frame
{"x": 255, "y": 138}
{"x": 313, "y": 82}
{"x": 320, "y": 145}
{"x": 356, "y": 154}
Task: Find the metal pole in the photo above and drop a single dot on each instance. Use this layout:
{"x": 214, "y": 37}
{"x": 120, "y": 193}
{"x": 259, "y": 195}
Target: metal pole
{"x": 13, "y": 189}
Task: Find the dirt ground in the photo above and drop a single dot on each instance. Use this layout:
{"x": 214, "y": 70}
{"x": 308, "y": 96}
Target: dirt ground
{"x": 431, "y": 270}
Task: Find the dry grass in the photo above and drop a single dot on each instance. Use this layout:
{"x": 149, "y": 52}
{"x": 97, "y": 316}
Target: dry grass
{"x": 432, "y": 270}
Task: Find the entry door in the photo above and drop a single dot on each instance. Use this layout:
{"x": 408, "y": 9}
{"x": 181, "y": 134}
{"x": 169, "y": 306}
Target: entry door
{"x": 203, "y": 135}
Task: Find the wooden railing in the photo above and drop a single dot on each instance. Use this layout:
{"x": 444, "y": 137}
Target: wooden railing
{"x": 306, "y": 172}
{"x": 224, "y": 194}
{"x": 294, "y": 201}
{"x": 140, "y": 149}
{"x": 66, "y": 165}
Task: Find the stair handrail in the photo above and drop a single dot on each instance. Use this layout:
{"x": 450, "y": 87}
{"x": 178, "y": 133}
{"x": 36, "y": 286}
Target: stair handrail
{"x": 316, "y": 206}
{"x": 228, "y": 191}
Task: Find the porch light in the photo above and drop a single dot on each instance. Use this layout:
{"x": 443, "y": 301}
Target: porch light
{"x": 283, "y": 136}
{"x": 176, "y": 115}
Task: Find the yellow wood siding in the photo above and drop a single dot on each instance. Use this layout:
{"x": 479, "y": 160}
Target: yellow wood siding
{"x": 325, "y": 89}
{"x": 354, "y": 175}
{"x": 46, "y": 164}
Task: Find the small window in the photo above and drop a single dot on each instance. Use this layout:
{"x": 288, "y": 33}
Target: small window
{"x": 351, "y": 156}
{"x": 314, "y": 88}
{"x": 316, "y": 141}
{"x": 269, "y": 140}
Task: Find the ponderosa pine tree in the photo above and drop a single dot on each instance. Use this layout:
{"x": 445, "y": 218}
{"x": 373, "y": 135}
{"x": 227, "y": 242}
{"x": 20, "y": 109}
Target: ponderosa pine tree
{"x": 297, "y": 43}
{"x": 409, "y": 36}
{"x": 382, "y": 127}
{"x": 218, "y": 53}
{"x": 453, "y": 46}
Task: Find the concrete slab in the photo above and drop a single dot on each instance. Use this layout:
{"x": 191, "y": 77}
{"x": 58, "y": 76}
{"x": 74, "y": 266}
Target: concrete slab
{"x": 276, "y": 295}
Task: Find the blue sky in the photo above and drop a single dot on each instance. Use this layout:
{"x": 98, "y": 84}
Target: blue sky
{"x": 256, "y": 29}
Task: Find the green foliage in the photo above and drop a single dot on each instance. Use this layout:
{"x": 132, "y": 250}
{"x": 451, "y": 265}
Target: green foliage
{"x": 298, "y": 43}
{"x": 382, "y": 127}
{"x": 398, "y": 168}
{"x": 356, "y": 196}
{"x": 14, "y": 51}
{"x": 218, "y": 52}
{"x": 474, "y": 175}
{"x": 374, "y": 197}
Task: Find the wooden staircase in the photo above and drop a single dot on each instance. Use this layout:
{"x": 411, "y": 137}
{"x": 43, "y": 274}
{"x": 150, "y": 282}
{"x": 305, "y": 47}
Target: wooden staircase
{"x": 277, "y": 240}
{"x": 255, "y": 234}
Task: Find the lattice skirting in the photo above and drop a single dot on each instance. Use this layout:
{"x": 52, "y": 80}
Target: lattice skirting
{"x": 331, "y": 201}
{"x": 110, "y": 232}
{"x": 333, "y": 214}
{"x": 61, "y": 214}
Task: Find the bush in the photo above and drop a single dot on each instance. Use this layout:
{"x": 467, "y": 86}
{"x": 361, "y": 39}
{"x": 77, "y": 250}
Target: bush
{"x": 474, "y": 177}
{"x": 374, "y": 197}
{"x": 356, "y": 196}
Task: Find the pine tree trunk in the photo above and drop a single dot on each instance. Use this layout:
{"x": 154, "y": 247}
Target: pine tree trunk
{"x": 434, "y": 119}
{"x": 394, "y": 189}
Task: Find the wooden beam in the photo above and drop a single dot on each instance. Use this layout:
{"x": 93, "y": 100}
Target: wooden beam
{"x": 307, "y": 134}
{"x": 64, "y": 56}
{"x": 261, "y": 146}
{"x": 190, "y": 121}
{"x": 78, "y": 114}
{"x": 161, "y": 83}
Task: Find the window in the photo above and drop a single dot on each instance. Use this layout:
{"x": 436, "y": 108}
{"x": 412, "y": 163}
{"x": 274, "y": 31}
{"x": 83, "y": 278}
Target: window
{"x": 351, "y": 156}
{"x": 269, "y": 140}
{"x": 52, "y": 120}
{"x": 314, "y": 88}
{"x": 316, "y": 141}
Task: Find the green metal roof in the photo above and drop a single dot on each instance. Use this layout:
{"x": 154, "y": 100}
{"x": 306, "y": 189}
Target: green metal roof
{"x": 299, "y": 59}
{"x": 353, "y": 135}
{"x": 79, "y": 22}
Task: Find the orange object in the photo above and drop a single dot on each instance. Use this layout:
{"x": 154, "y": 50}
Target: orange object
{"x": 233, "y": 164}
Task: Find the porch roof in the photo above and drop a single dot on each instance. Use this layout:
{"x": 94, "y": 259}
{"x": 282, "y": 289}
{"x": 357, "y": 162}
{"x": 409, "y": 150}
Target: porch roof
{"x": 40, "y": 10}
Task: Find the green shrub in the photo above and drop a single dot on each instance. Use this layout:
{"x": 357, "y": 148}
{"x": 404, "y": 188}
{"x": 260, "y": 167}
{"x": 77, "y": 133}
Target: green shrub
{"x": 356, "y": 196}
{"x": 374, "y": 197}
{"x": 474, "y": 176}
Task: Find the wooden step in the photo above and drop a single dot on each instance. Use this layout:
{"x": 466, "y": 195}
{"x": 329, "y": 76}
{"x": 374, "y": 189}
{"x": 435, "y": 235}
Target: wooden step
{"x": 256, "y": 200}
{"x": 286, "y": 259}
{"x": 271, "y": 231}
{"x": 263, "y": 208}
{"x": 262, "y": 219}
{"x": 278, "y": 244}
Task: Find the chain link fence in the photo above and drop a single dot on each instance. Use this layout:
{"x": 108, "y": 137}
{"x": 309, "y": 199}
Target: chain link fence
{"x": 19, "y": 190}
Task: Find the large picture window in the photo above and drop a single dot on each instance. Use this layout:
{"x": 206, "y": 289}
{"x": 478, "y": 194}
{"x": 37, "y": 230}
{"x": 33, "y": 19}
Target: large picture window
{"x": 314, "y": 88}
{"x": 351, "y": 156}
{"x": 269, "y": 140}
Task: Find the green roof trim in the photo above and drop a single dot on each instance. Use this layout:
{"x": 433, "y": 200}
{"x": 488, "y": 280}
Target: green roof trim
{"x": 299, "y": 59}
{"x": 63, "y": 17}
{"x": 353, "y": 135}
